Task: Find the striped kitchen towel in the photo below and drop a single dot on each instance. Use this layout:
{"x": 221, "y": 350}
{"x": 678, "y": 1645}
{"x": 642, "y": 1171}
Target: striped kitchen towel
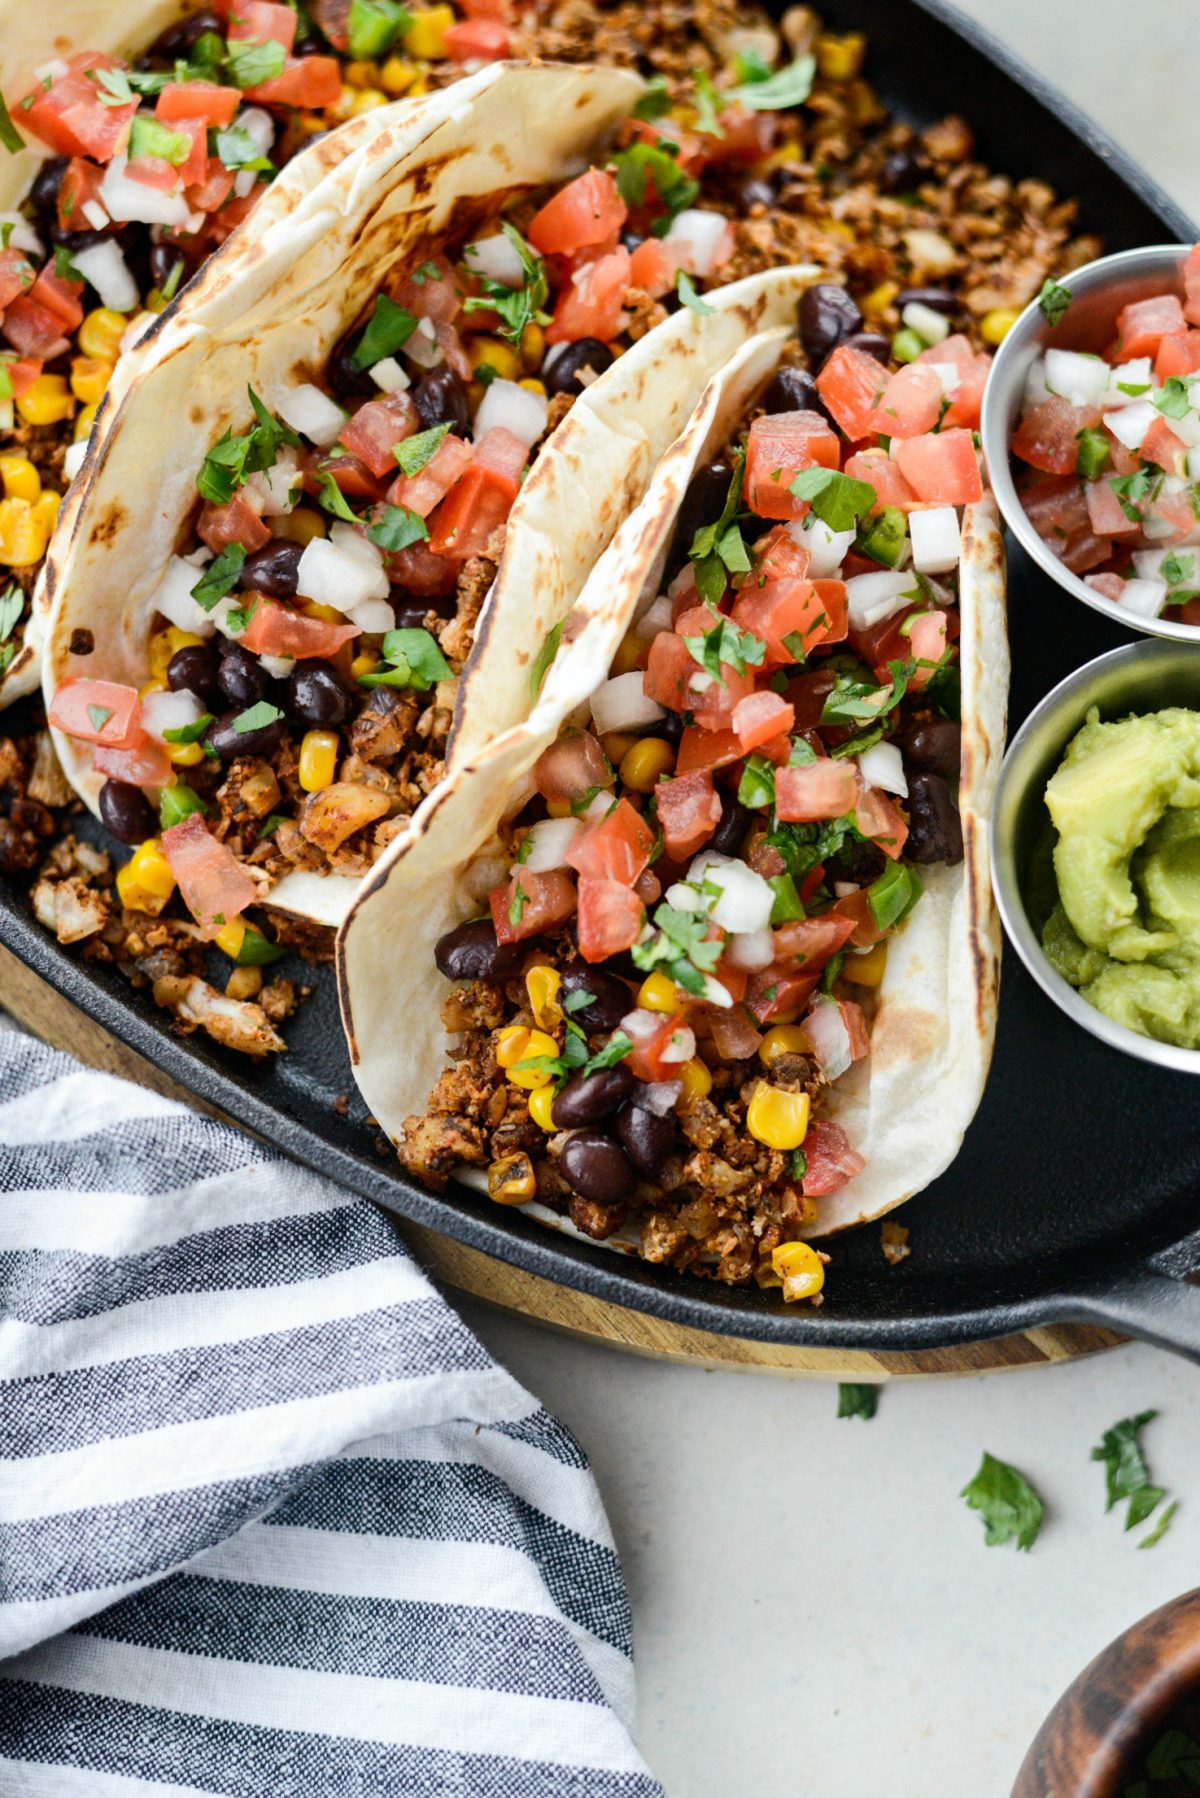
{"x": 272, "y": 1522}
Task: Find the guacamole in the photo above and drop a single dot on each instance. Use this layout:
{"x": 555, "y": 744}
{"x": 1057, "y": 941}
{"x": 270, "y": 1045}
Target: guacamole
{"x": 1126, "y": 931}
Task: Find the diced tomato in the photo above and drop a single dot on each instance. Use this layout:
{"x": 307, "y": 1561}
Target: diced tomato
{"x": 573, "y": 765}
{"x": 144, "y": 764}
{"x": 421, "y": 492}
{"x": 435, "y": 296}
{"x": 1161, "y": 446}
{"x": 1142, "y": 325}
{"x": 1057, "y": 508}
{"x": 831, "y": 1162}
{"x": 744, "y": 136}
{"x": 212, "y": 884}
{"x": 879, "y": 819}
{"x": 474, "y": 507}
{"x": 484, "y": 40}
{"x": 422, "y": 573}
{"x": 275, "y": 630}
{"x": 655, "y": 1052}
{"x": 80, "y": 185}
{"x": 257, "y": 21}
{"x": 376, "y": 428}
{"x": 23, "y": 373}
{"x": 821, "y": 789}
{"x": 546, "y": 900}
{"x": 61, "y": 297}
{"x": 1110, "y": 586}
{"x": 808, "y": 693}
{"x": 813, "y": 611}
{"x": 944, "y": 469}
{"x": 333, "y": 16}
{"x": 611, "y": 917}
{"x": 234, "y": 522}
{"x": 353, "y": 478}
{"x": 669, "y": 671}
{"x": 311, "y": 82}
{"x": 592, "y": 306}
{"x": 876, "y": 467}
{"x": 70, "y": 114}
{"x": 198, "y": 100}
{"x": 966, "y": 402}
{"x": 851, "y": 384}
{"x": 503, "y": 453}
{"x": 714, "y": 258}
{"x": 780, "y": 445}
{"x": 1175, "y": 510}
{"x": 735, "y": 980}
{"x": 912, "y": 402}
{"x": 16, "y": 275}
{"x": 927, "y": 638}
{"x": 812, "y": 941}
{"x": 617, "y": 847}
{"x": 699, "y": 749}
{"x": 1191, "y": 287}
{"x": 213, "y": 187}
{"x": 734, "y": 1037}
{"x": 1178, "y": 355}
{"x": 488, "y": 9}
{"x": 856, "y": 908}
{"x": 97, "y": 711}
{"x": 777, "y": 995}
{"x": 1047, "y": 435}
{"x": 153, "y": 171}
{"x": 777, "y": 556}
{"x": 761, "y": 716}
{"x": 689, "y": 810}
{"x": 653, "y": 267}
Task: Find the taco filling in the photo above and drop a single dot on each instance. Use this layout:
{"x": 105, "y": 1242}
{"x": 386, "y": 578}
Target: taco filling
{"x": 680, "y": 964}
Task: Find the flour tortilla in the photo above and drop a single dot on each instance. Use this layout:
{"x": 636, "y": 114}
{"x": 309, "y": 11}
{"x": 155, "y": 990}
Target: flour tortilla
{"x": 909, "y": 1104}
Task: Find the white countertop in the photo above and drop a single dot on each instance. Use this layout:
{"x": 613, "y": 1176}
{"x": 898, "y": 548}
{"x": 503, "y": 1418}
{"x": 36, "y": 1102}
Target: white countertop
{"x": 816, "y": 1614}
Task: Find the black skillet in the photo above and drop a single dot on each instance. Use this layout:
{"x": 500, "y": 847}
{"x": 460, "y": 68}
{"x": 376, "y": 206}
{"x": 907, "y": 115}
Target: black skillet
{"x": 1074, "y": 1196}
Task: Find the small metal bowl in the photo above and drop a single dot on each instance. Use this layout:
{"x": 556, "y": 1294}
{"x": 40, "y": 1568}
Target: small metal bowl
{"x": 1098, "y": 292}
{"x": 1143, "y": 677}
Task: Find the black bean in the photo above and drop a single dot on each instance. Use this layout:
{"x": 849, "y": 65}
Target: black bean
{"x": 273, "y": 569}
{"x": 588, "y": 1097}
{"x": 125, "y": 811}
{"x": 596, "y": 1167}
{"x": 632, "y": 241}
{"x": 730, "y": 833}
{"x": 793, "y": 389}
{"x": 703, "y": 504}
{"x": 669, "y": 727}
{"x": 46, "y": 183}
{"x": 902, "y": 172}
{"x": 871, "y": 343}
{"x": 230, "y": 743}
{"x": 164, "y": 260}
{"x": 608, "y": 998}
{"x": 938, "y": 299}
{"x": 241, "y": 678}
{"x": 471, "y": 952}
{"x": 193, "y": 670}
{"x": 646, "y": 1138}
{"x": 441, "y": 399}
{"x": 74, "y": 241}
{"x": 755, "y": 192}
{"x": 934, "y": 747}
{"x": 176, "y": 41}
{"x": 934, "y": 826}
{"x": 858, "y": 862}
{"x": 563, "y": 374}
{"x": 411, "y": 613}
{"x": 316, "y": 696}
{"x": 348, "y": 382}
{"x": 827, "y": 317}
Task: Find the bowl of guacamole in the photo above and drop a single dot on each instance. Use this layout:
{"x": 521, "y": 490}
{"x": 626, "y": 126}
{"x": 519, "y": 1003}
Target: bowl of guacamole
{"x": 1096, "y": 849}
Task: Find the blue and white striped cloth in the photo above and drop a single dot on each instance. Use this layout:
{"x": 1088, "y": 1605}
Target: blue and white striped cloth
{"x": 272, "y": 1522}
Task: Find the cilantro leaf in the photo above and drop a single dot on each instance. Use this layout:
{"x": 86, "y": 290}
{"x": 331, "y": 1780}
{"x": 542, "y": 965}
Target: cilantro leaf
{"x": 220, "y": 576}
{"x": 416, "y": 452}
{"x": 838, "y": 500}
{"x": 236, "y": 149}
{"x": 249, "y": 62}
{"x": 257, "y": 950}
{"x": 520, "y": 900}
{"x": 331, "y": 498}
{"x": 233, "y": 458}
{"x": 681, "y": 948}
{"x": 852, "y": 700}
{"x": 189, "y": 733}
{"x": 397, "y": 529}
{"x": 1177, "y": 570}
{"x": 99, "y": 715}
{"x": 718, "y": 549}
{"x": 642, "y": 164}
{"x": 1126, "y": 1475}
{"x": 12, "y": 604}
{"x": 787, "y": 87}
{"x": 387, "y": 330}
{"x": 1054, "y": 300}
{"x": 857, "y": 1400}
{"x": 1172, "y": 400}
{"x": 1160, "y": 1529}
{"x": 807, "y": 846}
{"x": 725, "y": 644}
{"x": 756, "y": 789}
{"x": 64, "y": 265}
{"x": 545, "y": 656}
{"x": 1007, "y": 1503}
{"x": 10, "y": 137}
{"x": 414, "y": 652}
{"x": 257, "y": 717}
{"x": 655, "y": 100}
{"x": 686, "y": 289}
{"x": 1131, "y": 487}
{"x": 238, "y": 618}
{"x": 519, "y": 307}
{"x": 708, "y": 104}
{"x": 117, "y": 90}
{"x": 149, "y": 137}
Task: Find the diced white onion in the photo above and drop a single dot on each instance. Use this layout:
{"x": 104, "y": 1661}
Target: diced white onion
{"x": 752, "y": 949}
{"x": 874, "y": 597}
{"x": 497, "y": 258}
{"x": 174, "y": 599}
{"x": 827, "y": 548}
{"x": 597, "y": 807}
{"x": 621, "y": 704}
{"x": 278, "y": 667}
{"x": 1137, "y": 373}
{"x": 243, "y": 182}
{"x": 882, "y": 765}
{"x": 334, "y": 575}
{"x": 745, "y": 899}
{"x": 547, "y": 844}
{"x": 948, "y": 373}
{"x": 49, "y": 72}
{"x": 826, "y": 1031}
{"x": 1144, "y": 597}
{"x": 842, "y": 889}
{"x": 375, "y": 616}
{"x": 388, "y": 376}
{"x": 259, "y": 126}
{"x": 1148, "y": 563}
{"x": 126, "y": 199}
{"x": 482, "y": 875}
{"x": 936, "y": 539}
{"x": 656, "y": 617}
{"x": 219, "y": 616}
{"x": 507, "y": 406}
{"x": 22, "y": 235}
{"x": 311, "y": 412}
{"x": 95, "y": 214}
{"x": 1131, "y": 423}
{"x": 169, "y": 711}
{"x": 1036, "y": 391}
{"x": 273, "y": 488}
{"x": 932, "y": 326}
{"x": 702, "y": 236}
{"x": 423, "y": 347}
{"x": 1193, "y": 465}
{"x": 1080, "y": 379}
{"x": 681, "y": 1047}
{"x": 73, "y": 460}
{"x": 658, "y": 1096}
{"x": 717, "y": 994}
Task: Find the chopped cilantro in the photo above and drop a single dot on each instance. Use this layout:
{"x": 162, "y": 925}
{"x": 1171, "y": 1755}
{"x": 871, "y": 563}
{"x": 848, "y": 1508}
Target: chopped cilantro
{"x": 808, "y": 846}
{"x": 415, "y": 661}
{"x": 852, "y": 700}
{"x": 788, "y": 87}
{"x": 1156, "y": 1535}
{"x": 748, "y": 65}
{"x": 397, "y": 529}
{"x": 415, "y": 452}
{"x": 12, "y": 604}
{"x": 756, "y": 789}
{"x": 1054, "y": 300}
{"x": 99, "y": 715}
{"x": 681, "y": 948}
{"x": 331, "y": 499}
{"x": 388, "y": 330}
{"x": 248, "y": 62}
{"x": 726, "y": 644}
{"x": 236, "y": 149}
{"x": 857, "y": 1400}
{"x": 189, "y": 733}
{"x": 1007, "y": 1503}
{"x": 238, "y": 618}
{"x": 518, "y": 307}
{"x": 117, "y": 89}
{"x": 1177, "y": 570}
{"x": 220, "y": 576}
{"x": 149, "y": 137}
{"x": 1132, "y": 487}
{"x": 520, "y": 899}
{"x": 64, "y": 265}
{"x": 644, "y": 163}
{"x": 686, "y": 289}
{"x": 1172, "y": 400}
{"x": 838, "y": 500}
{"x": 10, "y": 137}
{"x": 545, "y": 656}
{"x": 257, "y": 717}
{"x": 708, "y": 104}
{"x": 256, "y": 950}
{"x": 1126, "y": 1475}
{"x": 233, "y": 458}
{"x": 787, "y": 904}
{"x": 718, "y": 549}
{"x": 574, "y": 1058}
{"x": 654, "y": 101}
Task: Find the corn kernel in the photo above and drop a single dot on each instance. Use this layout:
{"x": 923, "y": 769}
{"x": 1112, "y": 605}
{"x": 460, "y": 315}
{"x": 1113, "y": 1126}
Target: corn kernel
{"x": 146, "y": 882}
{"x": 366, "y": 663}
{"x": 631, "y": 654}
{"x": 299, "y": 526}
{"x": 879, "y": 299}
{"x": 89, "y": 378}
{"x": 541, "y": 1104}
{"x": 533, "y": 347}
{"x": 341, "y": 107}
{"x": 23, "y": 535}
{"x": 697, "y": 1081}
{"x": 657, "y": 993}
{"x": 516, "y": 1044}
{"x": 47, "y": 401}
{"x": 231, "y": 937}
{"x": 366, "y": 100}
{"x": 164, "y": 644}
{"x": 646, "y": 763}
{"x": 866, "y": 969}
{"x": 542, "y": 984}
{"x": 185, "y": 755}
{"x": 532, "y": 386}
{"x": 995, "y": 325}
{"x": 21, "y": 479}
{"x": 361, "y": 74}
{"x": 496, "y": 353}
{"x": 800, "y": 1268}
{"x": 765, "y": 1276}
{"x": 776, "y": 1117}
{"x": 782, "y": 1039}
{"x": 426, "y": 36}
{"x": 397, "y": 76}
{"x": 419, "y": 86}
{"x": 841, "y": 58}
{"x": 559, "y": 808}
{"x": 781, "y": 158}
{"x": 84, "y": 421}
{"x": 101, "y": 332}
{"x": 156, "y": 684}
{"x": 616, "y": 745}
{"x": 327, "y": 614}
{"x": 318, "y": 760}
{"x": 511, "y": 1180}
{"x": 45, "y": 509}
{"x": 244, "y": 983}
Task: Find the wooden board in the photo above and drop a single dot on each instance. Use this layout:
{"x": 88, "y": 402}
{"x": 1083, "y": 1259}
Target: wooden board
{"x": 48, "y": 1015}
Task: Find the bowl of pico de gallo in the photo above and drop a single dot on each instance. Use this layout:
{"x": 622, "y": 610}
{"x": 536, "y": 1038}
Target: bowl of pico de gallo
{"x": 1091, "y": 430}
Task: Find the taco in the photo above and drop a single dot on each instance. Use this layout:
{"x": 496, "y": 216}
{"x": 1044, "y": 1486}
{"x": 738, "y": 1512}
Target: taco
{"x": 719, "y": 924}
{"x": 388, "y": 351}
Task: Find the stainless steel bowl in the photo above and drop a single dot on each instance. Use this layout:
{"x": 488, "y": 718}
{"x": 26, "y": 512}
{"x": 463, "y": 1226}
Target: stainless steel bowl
{"x": 1098, "y": 292}
{"x": 1144, "y": 677}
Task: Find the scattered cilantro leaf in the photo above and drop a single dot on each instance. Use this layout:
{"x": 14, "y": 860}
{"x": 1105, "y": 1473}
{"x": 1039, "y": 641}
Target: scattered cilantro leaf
{"x": 654, "y": 101}
{"x": 257, "y": 717}
{"x": 726, "y": 644}
{"x": 416, "y": 452}
{"x": 10, "y": 137}
{"x": 807, "y": 846}
{"x": 717, "y": 549}
{"x": 388, "y": 329}
{"x": 1008, "y": 1504}
{"x": 397, "y": 529}
{"x": 1172, "y": 400}
{"x": 189, "y": 733}
{"x": 518, "y": 307}
{"x": 855, "y": 1400}
{"x": 64, "y": 265}
{"x": 12, "y": 604}
{"x": 415, "y": 651}
{"x": 680, "y": 948}
{"x": 756, "y": 789}
{"x": 545, "y": 656}
{"x": 115, "y": 82}
{"x": 641, "y": 164}
{"x": 685, "y": 287}
{"x": 838, "y": 500}
{"x": 236, "y": 149}
{"x": 1177, "y": 570}
{"x": 257, "y": 950}
{"x": 787, "y": 87}
{"x": 238, "y": 617}
{"x": 1131, "y": 487}
{"x": 852, "y": 700}
{"x": 249, "y": 62}
{"x": 99, "y": 715}
{"x": 331, "y": 499}
{"x": 219, "y": 577}
{"x": 148, "y": 136}
{"x": 1161, "y": 1527}
{"x": 1126, "y": 1475}
{"x": 516, "y": 909}
{"x": 708, "y": 105}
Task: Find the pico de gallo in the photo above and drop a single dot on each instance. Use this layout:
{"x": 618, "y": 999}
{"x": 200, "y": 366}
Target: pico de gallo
{"x": 684, "y": 955}
{"x": 1111, "y": 447}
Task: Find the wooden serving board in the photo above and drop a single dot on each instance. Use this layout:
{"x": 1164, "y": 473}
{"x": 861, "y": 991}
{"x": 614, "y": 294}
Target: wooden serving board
{"x": 48, "y": 1015}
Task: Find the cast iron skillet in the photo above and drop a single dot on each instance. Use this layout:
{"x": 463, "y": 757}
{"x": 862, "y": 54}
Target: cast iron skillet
{"x": 1074, "y": 1196}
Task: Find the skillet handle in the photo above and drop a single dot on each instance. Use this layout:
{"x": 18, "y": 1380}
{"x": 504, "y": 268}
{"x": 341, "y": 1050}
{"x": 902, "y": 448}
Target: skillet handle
{"x": 1158, "y": 1308}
